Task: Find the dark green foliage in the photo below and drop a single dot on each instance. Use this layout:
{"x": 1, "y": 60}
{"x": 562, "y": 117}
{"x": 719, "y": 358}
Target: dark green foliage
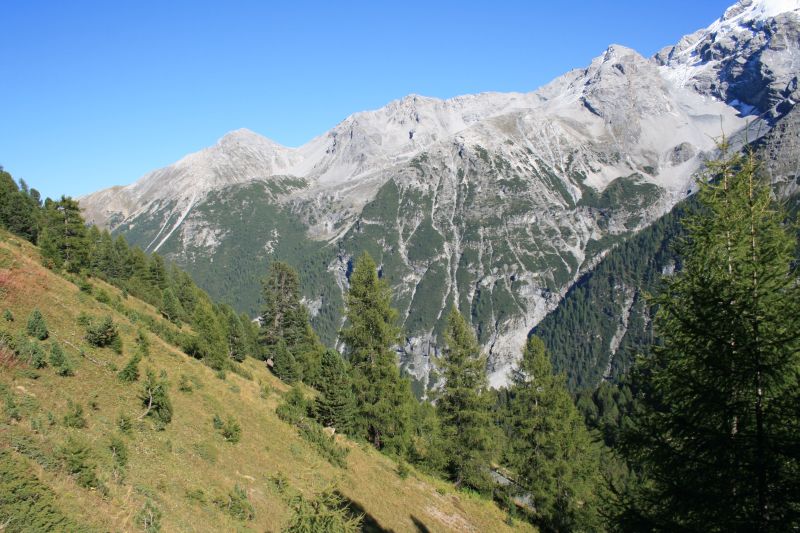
{"x": 76, "y": 457}
{"x": 142, "y": 343}
{"x": 26, "y": 504}
{"x": 8, "y": 316}
{"x": 130, "y": 372}
{"x": 208, "y": 342}
{"x": 428, "y": 449}
{"x": 37, "y": 327}
{"x": 155, "y": 398}
{"x": 464, "y": 407}
{"x": 31, "y": 352}
{"x": 170, "y": 307}
{"x": 284, "y": 321}
{"x": 236, "y": 504}
{"x": 149, "y": 517}
{"x": 327, "y": 512}
{"x": 235, "y": 337}
{"x": 60, "y": 361}
{"x": 19, "y": 207}
{"x": 715, "y": 436}
{"x": 285, "y": 365}
{"x": 335, "y": 406}
{"x": 579, "y": 332}
{"x": 383, "y": 399}
{"x": 63, "y": 240}
{"x": 74, "y": 417}
{"x": 549, "y": 447}
{"x": 102, "y": 333}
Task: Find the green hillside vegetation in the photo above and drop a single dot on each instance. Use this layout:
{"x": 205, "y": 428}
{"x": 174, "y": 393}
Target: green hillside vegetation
{"x": 88, "y": 450}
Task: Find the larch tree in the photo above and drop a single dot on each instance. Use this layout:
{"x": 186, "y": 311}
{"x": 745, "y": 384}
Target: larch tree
{"x": 384, "y": 400}
{"x": 716, "y": 440}
{"x": 550, "y": 449}
{"x": 464, "y": 406}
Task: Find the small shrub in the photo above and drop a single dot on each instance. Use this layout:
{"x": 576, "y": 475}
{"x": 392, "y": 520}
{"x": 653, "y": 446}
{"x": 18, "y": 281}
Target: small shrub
{"x": 84, "y": 285}
{"x": 31, "y": 352}
{"x": 220, "y": 374}
{"x": 124, "y": 423}
{"x": 60, "y": 362}
{"x": 74, "y": 417}
{"x": 103, "y": 333}
{"x": 84, "y": 319}
{"x": 37, "y": 327}
{"x": 236, "y": 504}
{"x": 119, "y": 457}
{"x": 196, "y": 495}
{"x": 266, "y": 390}
{"x": 184, "y": 384}
{"x": 232, "y": 431}
{"x": 8, "y": 316}
{"x": 75, "y": 455}
{"x": 403, "y": 470}
{"x": 102, "y": 296}
{"x": 149, "y": 518}
{"x": 142, "y": 343}
{"x": 155, "y": 398}
{"x": 130, "y": 372}
{"x": 326, "y": 512}
{"x": 217, "y": 422}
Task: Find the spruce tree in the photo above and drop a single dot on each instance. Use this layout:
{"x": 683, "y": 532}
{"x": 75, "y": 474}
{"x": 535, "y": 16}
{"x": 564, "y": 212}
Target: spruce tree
{"x": 235, "y": 336}
{"x": 37, "y": 327}
{"x": 464, "y": 406}
{"x": 716, "y": 438}
{"x": 335, "y": 405}
{"x": 549, "y": 447}
{"x": 384, "y": 400}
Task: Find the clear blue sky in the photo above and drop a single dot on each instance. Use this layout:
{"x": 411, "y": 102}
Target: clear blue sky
{"x": 97, "y": 94}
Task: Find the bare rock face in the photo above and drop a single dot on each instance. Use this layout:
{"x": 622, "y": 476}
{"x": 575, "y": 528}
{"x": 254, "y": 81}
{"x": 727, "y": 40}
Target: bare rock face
{"x": 493, "y": 202}
{"x": 749, "y": 58}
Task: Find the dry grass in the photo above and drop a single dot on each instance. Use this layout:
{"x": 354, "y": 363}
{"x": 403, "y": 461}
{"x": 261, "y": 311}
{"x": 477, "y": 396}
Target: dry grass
{"x": 189, "y": 455}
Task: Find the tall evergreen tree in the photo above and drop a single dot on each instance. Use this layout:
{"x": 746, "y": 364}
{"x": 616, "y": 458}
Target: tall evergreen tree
{"x": 383, "y": 399}
{"x": 170, "y": 307}
{"x": 336, "y": 404}
{"x": 235, "y": 336}
{"x": 208, "y": 342}
{"x": 716, "y": 440}
{"x": 550, "y": 449}
{"x": 285, "y": 365}
{"x": 464, "y": 406}
{"x": 284, "y": 319}
{"x": 62, "y": 239}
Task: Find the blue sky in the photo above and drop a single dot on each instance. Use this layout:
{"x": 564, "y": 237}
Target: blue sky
{"x": 97, "y": 94}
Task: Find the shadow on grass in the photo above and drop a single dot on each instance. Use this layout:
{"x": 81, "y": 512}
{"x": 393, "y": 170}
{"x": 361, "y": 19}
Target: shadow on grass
{"x": 421, "y": 527}
{"x": 368, "y": 524}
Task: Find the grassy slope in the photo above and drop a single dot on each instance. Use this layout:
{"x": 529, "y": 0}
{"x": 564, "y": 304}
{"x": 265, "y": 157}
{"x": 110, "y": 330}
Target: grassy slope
{"x": 190, "y": 455}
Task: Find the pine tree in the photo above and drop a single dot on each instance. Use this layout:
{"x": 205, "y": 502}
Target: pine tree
{"x": 37, "y": 327}
{"x": 550, "y": 448}
{"x": 716, "y": 438}
{"x": 62, "y": 240}
{"x": 383, "y": 399}
{"x": 335, "y": 405}
{"x": 464, "y": 406}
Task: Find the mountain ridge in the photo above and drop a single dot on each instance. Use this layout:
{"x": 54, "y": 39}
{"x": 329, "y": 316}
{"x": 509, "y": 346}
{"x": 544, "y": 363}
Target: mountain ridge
{"x": 495, "y": 202}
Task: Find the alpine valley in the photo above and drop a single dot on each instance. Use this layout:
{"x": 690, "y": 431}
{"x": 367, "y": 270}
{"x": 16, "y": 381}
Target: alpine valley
{"x": 511, "y": 206}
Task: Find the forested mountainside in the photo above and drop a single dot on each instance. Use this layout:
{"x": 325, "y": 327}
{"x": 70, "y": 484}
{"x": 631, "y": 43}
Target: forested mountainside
{"x": 497, "y": 203}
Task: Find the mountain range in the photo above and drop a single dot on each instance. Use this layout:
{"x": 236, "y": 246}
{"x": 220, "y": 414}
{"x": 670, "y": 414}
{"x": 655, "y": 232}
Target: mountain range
{"x": 497, "y": 203}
